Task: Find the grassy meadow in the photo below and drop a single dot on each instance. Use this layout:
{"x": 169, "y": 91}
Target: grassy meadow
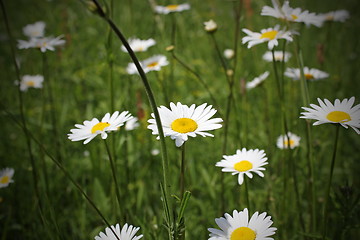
{"x": 87, "y": 77}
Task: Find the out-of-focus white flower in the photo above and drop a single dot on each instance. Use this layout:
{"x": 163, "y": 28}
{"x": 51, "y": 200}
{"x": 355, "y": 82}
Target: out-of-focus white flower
{"x": 311, "y": 74}
{"x": 172, "y": 8}
{"x": 258, "y": 80}
{"x": 229, "y": 53}
{"x": 6, "y": 175}
{"x": 34, "y": 30}
{"x": 138, "y": 45}
{"x": 127, "y": 232}
{"x": 210, "y": 26}
{"x": 30, "y": 81}
{"x": 44, "y": 43}
{"x": 289, "y": 140}
{"x": 336, "y": 16}
{"x": 153, "y": 63}
{"x": 155, "y": 152}
{"x": 278, "y": 55}
{"x": 132, "y": 124}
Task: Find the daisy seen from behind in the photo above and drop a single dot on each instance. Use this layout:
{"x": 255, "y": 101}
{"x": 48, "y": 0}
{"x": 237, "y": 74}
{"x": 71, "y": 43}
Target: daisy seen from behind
{"x": 90, "y": 129}
{"x": 257, "y": 81}
{"x": 288, "y": 140}
{"x": 31, "y": 81}
{"x": 270, "y": 35}
{"x": 210, "y": 26}
{"x": 311, "y": 74}
{"x": 239, "y": 227}
{"x": 279, "y": 56}
{"x": 341, "y": 112}
{"x": 6, "y": 175}
{"x": 244, "y": 162}
{"x": 153, "y": 63}
{"x": 172, "y": 8}
{"x": 34, "y": 30}
{"x": 138, "y": 45}
{"x": 127, "y": 232}
{"x": 180, "y": 122}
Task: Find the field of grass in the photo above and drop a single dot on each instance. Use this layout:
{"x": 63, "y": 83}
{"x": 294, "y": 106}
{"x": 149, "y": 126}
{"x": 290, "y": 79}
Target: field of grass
{"x": 87, "y": 78}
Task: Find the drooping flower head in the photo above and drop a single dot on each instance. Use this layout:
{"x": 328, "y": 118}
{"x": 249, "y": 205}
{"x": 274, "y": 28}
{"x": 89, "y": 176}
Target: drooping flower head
{"x": 180, "y": 121}
{"x": 257, "y": 81}
{"x": 292, "y": 14}
{"x": 6, "y": 175}
{"x": 229, "y": 53}
{"x": 153, "y": 63}
{"x": 172, "y": 8}
{"x": 270, "y": 35}
{"x": 341, "y": 112}
{"x": 34, "y": 30}
{"x": 289, "y": 140}
{"x": 31, "y": 81}
{"x": 244, "y": 162}
{"x": 239, "y": 227}
{"x": 311, "y": 74}
{"x": 127, "y": 232}
{"x": 279, "y": 56}
{"x": 138, "y": 45}
{"x": 210, "y": 26}
{"x": 90, "y": 129}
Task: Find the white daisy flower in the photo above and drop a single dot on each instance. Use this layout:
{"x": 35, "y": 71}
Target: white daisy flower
{"x": 229, "y": 53}
{"x": 6, "y": 175}
{"x": 45, "y": 43}
{"x": 243, "y": 163}
{"x": 239, "y": 227}
{"x": 34, "y": 30}
{"x": 257, "y": 80}
{"x": 343, "y": 113}
{"x": 132, "y": 124}
{"x": 336, "y": 16}
{"x": 270, "y": 35}
{"x": 155, "y": 152}
{"x": 180, "y": 121}
{"x": 127, "y": 232}
{"x": 311, "y": 74}
{"x": 289, "y": 140}
{"x": 172, "y": 8}
{"x": 292, "y": 14}
{"x": 90, "y": 129}
{"x": 153, "y": 63}
{"x": 138, "y": 45}
{"x": 278, "y": 55}
{"x": 210, "y": 26}
{"x": 30, "y": 81}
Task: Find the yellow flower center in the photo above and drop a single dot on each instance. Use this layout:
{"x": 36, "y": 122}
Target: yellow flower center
{"x": 99, "y": 127}
{"x": 140, "y": 49}
{"x": 243, "y": 166}
{"x": 153, "y": 64}
{"x": 269, "y": 34}
{"x": 243, "y": 233}
{"x": 4, "y": 180}
{"x": 294, "y": 17}
{"x": 30, "y": 83}
{"x": 172, "y": 7}
{"x": 184, "y": 125}
{"x": 309, "y": 76}
{"x": 289, "y": 143}
{"x": 338, "y": 116}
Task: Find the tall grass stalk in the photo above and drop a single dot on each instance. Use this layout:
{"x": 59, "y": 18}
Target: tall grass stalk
{"x": 327, "y": 193}
{"x": 166, "y": 185}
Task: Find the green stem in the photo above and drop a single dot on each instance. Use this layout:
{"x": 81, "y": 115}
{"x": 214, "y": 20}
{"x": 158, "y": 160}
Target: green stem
{"x": 246, "y": 185}
{"x": 113, "y": 171}
{"x": 327, "y": 193}
{"x": 222, "y": 60}
{"x": 165, "y": 164}
{"x": 182, "y": 171}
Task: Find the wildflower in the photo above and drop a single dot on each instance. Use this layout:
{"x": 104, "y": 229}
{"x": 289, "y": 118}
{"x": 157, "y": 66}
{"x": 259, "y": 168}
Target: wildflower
{"x": 243, "y": 163}
{"x": 180, "y": 121}
{"x": 90, "y": 129}
{"x": 336, "y": 16}
{"x": 127, "y": 232}
{"x": 138, "y": 45}
{"x": 6, "y": 175}
{"x": 270, "y": 35}
{"x": 229, "y": 53}
{"x": 155, "y": 152}
{"x": 278, "y": 55}
{"x": 172, "y": 8}
{"x": 257, "y": 80}
{"x": 30, "y": 81}
{"x": 153, "y": 63}
{"x": 343, "y": 113}
{"x": 292, "y": 14}
{"x": 34, "y": 30}
{"x": 132, "y": 124}
{"x": 238, "y": 227}
{"x": 288, "y": 140}
{"x": 311, "y": 74}
{"x": 210, "y": 26}
{"x": 45, "y": 43}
